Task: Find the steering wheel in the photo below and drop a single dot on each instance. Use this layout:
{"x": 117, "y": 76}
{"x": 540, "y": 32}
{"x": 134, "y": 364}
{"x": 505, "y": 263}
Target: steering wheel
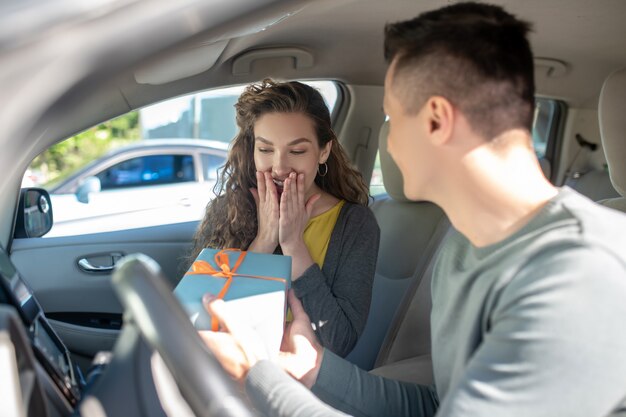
{"x": 161, "y": 320}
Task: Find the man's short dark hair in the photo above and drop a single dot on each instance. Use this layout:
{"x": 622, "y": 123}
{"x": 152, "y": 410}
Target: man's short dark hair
{"x": 475, "y": 55}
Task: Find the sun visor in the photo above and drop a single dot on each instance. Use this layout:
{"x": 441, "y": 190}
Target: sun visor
{"x": 300, "y": 58}
{"x": 197, "y": 59}
{"x": 181, "y": 64}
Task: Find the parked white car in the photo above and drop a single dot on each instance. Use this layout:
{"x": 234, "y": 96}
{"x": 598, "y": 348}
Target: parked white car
{"x": 143, "y": 184}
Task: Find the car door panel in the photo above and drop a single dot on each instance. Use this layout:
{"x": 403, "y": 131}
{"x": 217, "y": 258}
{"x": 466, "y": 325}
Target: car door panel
{"x": 140, "y": 207}
{"x": 83, "y": 304}
{"x": 83, "y": 341}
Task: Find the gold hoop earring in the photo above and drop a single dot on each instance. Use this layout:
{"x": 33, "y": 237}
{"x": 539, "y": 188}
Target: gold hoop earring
{"x": 319, "y": 171}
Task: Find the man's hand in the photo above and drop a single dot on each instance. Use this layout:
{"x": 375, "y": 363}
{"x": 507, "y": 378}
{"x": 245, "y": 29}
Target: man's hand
{"x": 301, "y": 354}
{"x": 237, "y": 347}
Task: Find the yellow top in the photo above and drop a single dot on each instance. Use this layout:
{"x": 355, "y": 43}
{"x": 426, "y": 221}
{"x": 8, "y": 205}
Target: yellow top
{"x": 317, "y": 233}
{"x": 317, "y": 236}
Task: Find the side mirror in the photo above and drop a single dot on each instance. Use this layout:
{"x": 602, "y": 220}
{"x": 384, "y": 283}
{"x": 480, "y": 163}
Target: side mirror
{"x": 88, "y": 186}
{"x": 34, "y": 213}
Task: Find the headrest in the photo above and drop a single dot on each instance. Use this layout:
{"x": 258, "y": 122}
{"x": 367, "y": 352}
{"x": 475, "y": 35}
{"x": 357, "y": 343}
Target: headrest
{"x": 612, "y": 117}
{"x": 392, "y": 177}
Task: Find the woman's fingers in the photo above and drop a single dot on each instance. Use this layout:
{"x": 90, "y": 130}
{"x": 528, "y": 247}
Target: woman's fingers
{"x": 285, "y": 200}
{"x": 295, "y": 208}
{"x": 269, "y": 184}
{"x": 268, "y": 196}
{"x": 260, "y": 183}
{"x": 293, "y": 181}
{"x": 300, "y": 189}
{"x": 292, "y": 193}
{"x": 272, "y": 194}
{"x": 267, "y": 212}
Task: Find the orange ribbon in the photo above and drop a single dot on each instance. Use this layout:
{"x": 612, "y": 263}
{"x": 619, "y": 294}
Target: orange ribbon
{"x": 225, "y": 271}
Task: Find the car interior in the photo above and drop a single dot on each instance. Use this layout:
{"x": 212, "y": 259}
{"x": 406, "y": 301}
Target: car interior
{"x": 112, "y": 340}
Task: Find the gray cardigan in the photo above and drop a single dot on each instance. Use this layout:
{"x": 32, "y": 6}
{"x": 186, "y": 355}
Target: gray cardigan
{"x": 337, "y": 297}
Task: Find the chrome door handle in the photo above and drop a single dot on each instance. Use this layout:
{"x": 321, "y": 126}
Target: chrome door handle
{"x": 86, "y": 265}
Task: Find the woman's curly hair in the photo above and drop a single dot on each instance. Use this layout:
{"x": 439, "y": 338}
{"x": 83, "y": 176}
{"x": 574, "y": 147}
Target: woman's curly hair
{"x": 230, "y": 220}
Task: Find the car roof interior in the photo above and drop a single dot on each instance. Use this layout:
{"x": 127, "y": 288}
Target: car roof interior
{"x": 577, "y": 44}
{"x": 344, "y": 39}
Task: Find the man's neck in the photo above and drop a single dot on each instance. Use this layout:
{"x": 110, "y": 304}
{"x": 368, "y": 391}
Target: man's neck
{"x": 491, "y": 196}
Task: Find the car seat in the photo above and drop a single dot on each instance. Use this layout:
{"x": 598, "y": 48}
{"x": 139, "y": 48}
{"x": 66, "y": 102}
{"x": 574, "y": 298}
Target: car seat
{"x": 398, "y": 325}
{"x": 593, "y": 183}
{"x": 613, "y": 134}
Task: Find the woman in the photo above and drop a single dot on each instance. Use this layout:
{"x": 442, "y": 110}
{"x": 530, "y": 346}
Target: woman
{"x": 289, "y": 188}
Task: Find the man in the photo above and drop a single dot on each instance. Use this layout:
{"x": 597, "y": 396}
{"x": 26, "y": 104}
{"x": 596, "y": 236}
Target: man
{"x": 528, "y": 292}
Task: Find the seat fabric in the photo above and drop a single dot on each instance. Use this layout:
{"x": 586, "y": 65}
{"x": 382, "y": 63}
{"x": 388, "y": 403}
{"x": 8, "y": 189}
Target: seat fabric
{"x": 613, "y": 134}
{"x": 410, "y": 235}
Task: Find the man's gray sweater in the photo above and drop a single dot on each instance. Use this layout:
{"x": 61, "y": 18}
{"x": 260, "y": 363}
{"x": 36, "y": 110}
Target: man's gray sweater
{"x": 534, "y": 325}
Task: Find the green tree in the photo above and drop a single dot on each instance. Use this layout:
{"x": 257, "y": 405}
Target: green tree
{"x": 64, "y": 158}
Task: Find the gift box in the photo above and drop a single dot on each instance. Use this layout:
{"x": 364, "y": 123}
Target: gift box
{"x": 253, "y": 284}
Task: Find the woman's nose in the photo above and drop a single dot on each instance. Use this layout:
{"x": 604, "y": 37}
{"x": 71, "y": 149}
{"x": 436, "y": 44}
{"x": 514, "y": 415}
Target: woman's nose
{"x": 280, "y": 167}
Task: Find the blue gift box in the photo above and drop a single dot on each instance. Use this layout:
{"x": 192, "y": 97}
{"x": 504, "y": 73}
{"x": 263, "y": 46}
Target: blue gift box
{"x": 256, "y": 294}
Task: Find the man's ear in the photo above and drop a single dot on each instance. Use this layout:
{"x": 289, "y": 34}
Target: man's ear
{"x": 325, "y": 152}
{"x": 440, "y": 117}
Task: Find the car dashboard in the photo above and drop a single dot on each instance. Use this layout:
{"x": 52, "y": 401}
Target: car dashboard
{"x": 62, "y": 380}
{"x": 51, "y": 385}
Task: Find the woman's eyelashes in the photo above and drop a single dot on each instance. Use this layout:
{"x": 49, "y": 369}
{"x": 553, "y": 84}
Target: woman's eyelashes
{"x": 292, "y": 151}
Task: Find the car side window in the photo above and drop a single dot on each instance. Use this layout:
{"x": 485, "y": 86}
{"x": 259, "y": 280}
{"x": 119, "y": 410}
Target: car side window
{"x": 210, "y": 165}
{"x": 543, "y": 124}
{"x": 148, "y": 170}
{"x": 376, "y": 183}
{"x": 545, "y": 119}
{"x": 157, "y": 164}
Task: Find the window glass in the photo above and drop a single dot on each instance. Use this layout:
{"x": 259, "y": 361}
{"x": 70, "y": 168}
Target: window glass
{"x": 145, "y": 189}
{"x": 210, "y": 165}
{"x": 148, "y": 170}
{"x": 209, "y": 114}
{"x": 376, "y": 183}
{"x": 543, "y": 122}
